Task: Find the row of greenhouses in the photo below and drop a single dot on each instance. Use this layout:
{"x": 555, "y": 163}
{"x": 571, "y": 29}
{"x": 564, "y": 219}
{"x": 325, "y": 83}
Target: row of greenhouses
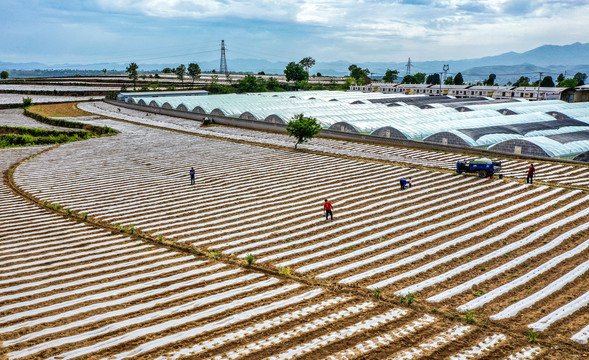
{"x": 485, "y": 123}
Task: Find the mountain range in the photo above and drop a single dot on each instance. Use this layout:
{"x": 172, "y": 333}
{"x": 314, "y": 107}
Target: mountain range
{"x": 549, "y": 59}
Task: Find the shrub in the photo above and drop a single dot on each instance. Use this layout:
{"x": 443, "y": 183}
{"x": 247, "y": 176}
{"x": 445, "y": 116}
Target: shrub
{"x": 470, "y": 317}
{"x": 407, "y": 299}
{"x": 249, "y": 259}
{"x": 27, "y": 101}
{"x": 213, "y": 255}
{"x": 284, "y": 270}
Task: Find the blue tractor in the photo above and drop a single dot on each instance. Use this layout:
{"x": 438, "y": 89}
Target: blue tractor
{"x": 483, "y": 167}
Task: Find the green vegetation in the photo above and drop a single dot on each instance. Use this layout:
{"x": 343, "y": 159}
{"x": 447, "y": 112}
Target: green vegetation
{"x": 21, "y": 136}
{"x": 4, "y": 75}
{"x": 249, "y": 259}
{"x": 284, "y": 270}
{"x": 307, "y": 63}
{"x": 470, "y": 317}
{"x": 407, "y": 299}
{"x": 377, "y": 292}
{"x": 532, "y": 336}
{"x": 26, "y": 102}
{"x": 295, "y": 72}
{"x": 390, "y": 76}
{"x": 193, "y": 72}
{"x": 358, "y": 74}
{"x": 302, "y": 128}
{"x": 213, "y": 255}
{"x": 133, "y": 75}
{"x": 180, "y": 72}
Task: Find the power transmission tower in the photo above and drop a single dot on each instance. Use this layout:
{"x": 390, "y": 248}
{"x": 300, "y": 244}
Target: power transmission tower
{"x": 409, "y": 67}
{"x": 223, "y": 66}
{"x": 446, "y": 67}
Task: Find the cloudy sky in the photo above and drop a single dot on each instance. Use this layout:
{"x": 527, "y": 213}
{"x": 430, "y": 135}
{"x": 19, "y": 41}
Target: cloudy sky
{"x": 168, "y": 31}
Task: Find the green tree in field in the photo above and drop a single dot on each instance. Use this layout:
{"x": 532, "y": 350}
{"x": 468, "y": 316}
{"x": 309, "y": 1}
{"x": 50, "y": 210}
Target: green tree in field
{"x": 580, "y": 77}
{"x": 167, "y": 70}
{"x": 307, "y": 63}
{"x": 193, "y": 72}
{"x": 358, "y": 74}
{"x": 568, "y": 83}
{"x": 522, "y": 81}
{"x": 433, "y": 79}
{"x": 458, "y": 80}
{"x": 419, "y": 77}
{"x": 560, "y": 78}
{"x": 302, "y": 128}
{"x": 491, "y": 80}
{"x": 4, "y": 75}
{"x": 180, "y": 72}
{"x": 547, "y": 82}
{"x": 133, "y": 75}
{"x": 390, "y": 76}
{"x": 295, "y": 72}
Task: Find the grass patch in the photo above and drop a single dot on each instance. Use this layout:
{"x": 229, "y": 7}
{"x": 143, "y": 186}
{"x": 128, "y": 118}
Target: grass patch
{"x": 22, "y": 136}
{"x": 59, "y": 110}
{"x": 250, "y": 259}
{"x": 284, "y": 270}
{"x": 532, "y": 336}
{"x": 213, "y": 255}
{"x": 407, "y": 299}
{"x": 377, "y": 292}
{"x": 470, "y": 317}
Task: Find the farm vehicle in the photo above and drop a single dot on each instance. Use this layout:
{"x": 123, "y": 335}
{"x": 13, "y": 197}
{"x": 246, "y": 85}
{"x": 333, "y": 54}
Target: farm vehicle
{"x": 483, "y": 167}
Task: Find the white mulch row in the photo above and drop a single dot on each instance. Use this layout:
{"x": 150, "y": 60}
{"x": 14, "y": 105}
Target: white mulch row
{"x": 582, "y": 336}
{"x": 299, "y": 330}
{"x": 371, "y": 323}
{"x": 430, "y": 346}
{"x": 384, "y": 339}
{"x": 431, "y": 251}
{"x": 40, "y": 99}
{"x": 483, "y": 347}
{"x": 527, "y": 353}
{"x": 505, "y": 250}
{"x": 568, "y": 309}
{"x": 254, "y": 329}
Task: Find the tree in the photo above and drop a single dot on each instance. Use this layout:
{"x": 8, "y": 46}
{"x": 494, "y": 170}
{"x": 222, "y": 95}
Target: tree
{"x": 307, "y": 63}
{"x": 261, "y": 73}
{"x": 194, "y": 72}
{"x": 491, "y": 80}
{"x": 4, "y": 75}
{"x": 104, "y": 71}
{"x": 133, "y": 75}
{"x": 302, "y": 128}
{"x": 358, "y": 74}
{"x": 390, "y": 76}
{"x": 547, "y": 82}
{"x": 167, "y": 70}
{"x": 319, "y": 74}
{"x": 273, "y": 85}
{"x": 458, "y": 80}
{"x": 449, "y": 80}
{"x": 568, "y": 83}
{"x": 180, "y": 72}
{"x": 433, "y": 79}
{"x": 295, "y": 72}
{"x": 560, "y": 78}
{"x": 522, "y": 81}
{"x": 580, "y": 77}
{"x": 409, "y": 79}
{"x": 419, "y": 77}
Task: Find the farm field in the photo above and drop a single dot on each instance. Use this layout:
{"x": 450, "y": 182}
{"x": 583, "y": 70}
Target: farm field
{"x": 551, "y": 173}
{"x": 508, "y": 256}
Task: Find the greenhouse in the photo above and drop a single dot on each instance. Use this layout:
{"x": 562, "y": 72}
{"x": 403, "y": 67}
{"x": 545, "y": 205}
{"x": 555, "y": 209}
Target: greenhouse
{"x": 479, "y": 122}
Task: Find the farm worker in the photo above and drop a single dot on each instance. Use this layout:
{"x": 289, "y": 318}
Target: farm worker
{"x": 191, "y": 176}
{"x": 403, "y": 184}
{"x": 327, "y": 207}
{"x": 409, "y": 182}
{"x": 531, "y": 171}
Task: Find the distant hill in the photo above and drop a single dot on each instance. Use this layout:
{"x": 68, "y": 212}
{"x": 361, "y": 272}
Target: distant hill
{"x": 550, "y": 59}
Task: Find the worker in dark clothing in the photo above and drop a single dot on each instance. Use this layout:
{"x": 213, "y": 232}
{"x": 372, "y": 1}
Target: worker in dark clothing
{"x": 191, "y": 176}
{"x": 327, "y": 208}
{"x": 403, "y": 184}
{"x": 531, "y": 171}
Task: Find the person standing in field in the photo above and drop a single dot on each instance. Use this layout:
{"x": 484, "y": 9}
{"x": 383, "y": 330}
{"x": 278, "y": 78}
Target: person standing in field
{"x": 531, "y": 171}
{"x": 191, "y": 176}
{"x": 327, "y": 207}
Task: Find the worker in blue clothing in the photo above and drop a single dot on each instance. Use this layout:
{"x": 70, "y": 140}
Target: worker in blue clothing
{"x": 405, "y": 183}
{"x": 191, "y": 176}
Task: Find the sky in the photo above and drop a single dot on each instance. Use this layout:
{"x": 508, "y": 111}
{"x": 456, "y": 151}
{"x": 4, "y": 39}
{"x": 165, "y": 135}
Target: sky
{"x": 169, "y": 31}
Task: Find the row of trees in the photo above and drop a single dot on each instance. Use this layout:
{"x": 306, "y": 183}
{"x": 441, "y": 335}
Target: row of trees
{"x": 181, "y": 71}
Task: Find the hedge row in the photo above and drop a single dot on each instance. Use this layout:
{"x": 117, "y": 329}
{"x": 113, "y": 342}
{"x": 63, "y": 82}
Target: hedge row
{"x": 96, "y": 130}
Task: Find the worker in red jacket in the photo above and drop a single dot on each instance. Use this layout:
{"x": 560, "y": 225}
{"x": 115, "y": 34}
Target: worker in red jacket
{"x": 531, "y": 171}
{"x": 327, "y": 207}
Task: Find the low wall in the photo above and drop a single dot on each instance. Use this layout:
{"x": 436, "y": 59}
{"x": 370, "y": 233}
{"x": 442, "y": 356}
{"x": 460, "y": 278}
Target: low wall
{"x": 332, "y": 134}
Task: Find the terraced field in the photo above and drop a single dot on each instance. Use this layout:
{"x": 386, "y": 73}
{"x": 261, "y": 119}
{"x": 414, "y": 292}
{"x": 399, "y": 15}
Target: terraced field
{"x": 513, "y": 254}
